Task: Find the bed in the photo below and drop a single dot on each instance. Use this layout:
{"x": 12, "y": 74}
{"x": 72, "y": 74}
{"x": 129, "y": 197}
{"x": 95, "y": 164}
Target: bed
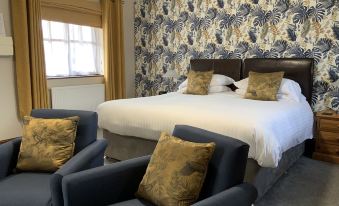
{"x": 133, "y": 126}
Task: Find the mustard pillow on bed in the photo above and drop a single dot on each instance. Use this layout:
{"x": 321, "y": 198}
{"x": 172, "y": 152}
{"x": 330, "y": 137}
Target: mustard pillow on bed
{"x": 46, "y": 144}
{"x": 176, "y": 171}
{"x": 264, "y": 86}
{"x": 198, "y": 82}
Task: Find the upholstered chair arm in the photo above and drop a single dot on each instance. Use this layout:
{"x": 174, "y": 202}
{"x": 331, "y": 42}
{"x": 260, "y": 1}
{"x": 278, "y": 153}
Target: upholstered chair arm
{"x": 104, "y": 185}
{"x": 8, "y": 156}
{"x": 90, "y": 157}
{"x": 240, "y": 195}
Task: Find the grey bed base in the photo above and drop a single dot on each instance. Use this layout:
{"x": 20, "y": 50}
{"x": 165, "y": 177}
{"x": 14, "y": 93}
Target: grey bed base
{"x": 263, "y": 178}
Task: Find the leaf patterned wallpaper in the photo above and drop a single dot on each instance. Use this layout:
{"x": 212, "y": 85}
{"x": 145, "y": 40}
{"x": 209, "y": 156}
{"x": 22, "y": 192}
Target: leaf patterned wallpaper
{"x": 168, "y": 33}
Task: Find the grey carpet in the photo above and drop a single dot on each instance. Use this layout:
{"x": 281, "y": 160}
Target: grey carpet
{"x": 108, "y": 160}
{"x": 308, "y": 182}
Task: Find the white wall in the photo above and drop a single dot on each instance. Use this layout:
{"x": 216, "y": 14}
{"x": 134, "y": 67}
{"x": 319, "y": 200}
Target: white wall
{"x": 9, "y": 121}
{"x": 129, "y": 47}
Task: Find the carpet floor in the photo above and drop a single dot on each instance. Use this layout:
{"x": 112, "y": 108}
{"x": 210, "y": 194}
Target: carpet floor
{"x": 307, "y": 183}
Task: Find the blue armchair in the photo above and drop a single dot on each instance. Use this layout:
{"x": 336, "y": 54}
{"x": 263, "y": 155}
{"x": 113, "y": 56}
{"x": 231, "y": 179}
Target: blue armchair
{"x": 116, "y": 184}
{"x": 28, "y": 188}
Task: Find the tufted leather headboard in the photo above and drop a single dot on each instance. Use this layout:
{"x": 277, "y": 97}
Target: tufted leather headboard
{"x": 299, "y": 70}
{"x": 228, "y": 67}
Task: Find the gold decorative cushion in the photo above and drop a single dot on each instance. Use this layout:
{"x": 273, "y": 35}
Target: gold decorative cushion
{"x": 46, "y": 144}
{"x": 176, "y": 172}
{"x": 263, "y": 86}
{"x": 198, "y": 82}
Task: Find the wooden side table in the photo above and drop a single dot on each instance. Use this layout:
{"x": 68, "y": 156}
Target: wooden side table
{"x": 327, "y": 142}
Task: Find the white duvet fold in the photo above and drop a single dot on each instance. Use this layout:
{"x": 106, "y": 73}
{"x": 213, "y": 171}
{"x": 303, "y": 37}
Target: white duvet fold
{"x": 270, "y": 128}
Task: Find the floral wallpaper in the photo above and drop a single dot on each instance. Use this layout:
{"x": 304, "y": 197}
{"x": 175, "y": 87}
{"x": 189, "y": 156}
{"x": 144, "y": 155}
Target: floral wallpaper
{"x": 168, "y": 33}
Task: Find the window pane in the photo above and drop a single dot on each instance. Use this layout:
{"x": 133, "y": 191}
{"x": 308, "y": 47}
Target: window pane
{"x": 87, "y": 34}
{"x": 48, "y": 57}
{"x": 74, "y": 32}
{"x": 82, "y": 58}
{"x": 56, "y": 55}
{"x": 45, "y": 29}
{"x": 58, "y": 30}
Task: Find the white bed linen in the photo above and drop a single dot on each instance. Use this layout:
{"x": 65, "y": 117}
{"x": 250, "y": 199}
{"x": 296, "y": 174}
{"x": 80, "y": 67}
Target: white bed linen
{"x": 270, "y": 128}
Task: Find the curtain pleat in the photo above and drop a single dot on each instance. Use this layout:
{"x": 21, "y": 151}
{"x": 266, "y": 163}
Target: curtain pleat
{"x": 114, "y": 64}
{"x": 29, "y": 56}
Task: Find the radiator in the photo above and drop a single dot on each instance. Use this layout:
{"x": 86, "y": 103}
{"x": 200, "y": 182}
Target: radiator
{"x": 82, "y": 97}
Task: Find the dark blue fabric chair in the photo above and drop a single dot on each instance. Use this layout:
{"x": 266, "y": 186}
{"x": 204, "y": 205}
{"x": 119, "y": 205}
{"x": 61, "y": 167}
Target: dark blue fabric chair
{"x": 40, "y": 189}
{"x": 116, "y": 184}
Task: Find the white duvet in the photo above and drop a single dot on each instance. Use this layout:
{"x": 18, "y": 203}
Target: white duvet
{"x": 270, "y": 128}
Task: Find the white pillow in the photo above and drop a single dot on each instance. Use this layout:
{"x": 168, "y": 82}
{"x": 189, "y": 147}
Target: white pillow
{"x": 242, "y": 84}
{"x": 212, "y": 89}
{"x": 289, "y": 90}
{"x": 217, "y": 80}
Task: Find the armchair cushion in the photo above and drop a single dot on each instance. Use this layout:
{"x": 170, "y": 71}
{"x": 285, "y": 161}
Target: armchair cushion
{"x": 87, "y": 126}
{"x": 227, "y": 166}
{"x": 46, "y": 143}
{"x": 176, "y": 171}
{"x": 25, "y": 189}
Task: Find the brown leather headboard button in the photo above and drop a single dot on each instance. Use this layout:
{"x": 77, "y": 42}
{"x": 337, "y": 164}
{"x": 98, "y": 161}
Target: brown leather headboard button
{"x": 299, "y": 70}
{"x": 228, "y": 67}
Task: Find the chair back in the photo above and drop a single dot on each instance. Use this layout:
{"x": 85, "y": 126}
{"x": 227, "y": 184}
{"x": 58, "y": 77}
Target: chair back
{"x": 87, "y": 126}
{"x": 228, "y": 163}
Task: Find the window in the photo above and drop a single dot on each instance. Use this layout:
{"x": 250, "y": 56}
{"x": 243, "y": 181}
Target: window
{"x": 72, "y": 50}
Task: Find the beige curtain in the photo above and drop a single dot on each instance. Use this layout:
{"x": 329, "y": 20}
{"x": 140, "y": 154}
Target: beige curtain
{"x": 29, "y": 56}
{"x": 112, "y": 23}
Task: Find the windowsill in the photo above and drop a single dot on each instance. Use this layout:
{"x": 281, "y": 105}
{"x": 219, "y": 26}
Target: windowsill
{"x": 75, "y": 77}
{"x": 74, "y": 81}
